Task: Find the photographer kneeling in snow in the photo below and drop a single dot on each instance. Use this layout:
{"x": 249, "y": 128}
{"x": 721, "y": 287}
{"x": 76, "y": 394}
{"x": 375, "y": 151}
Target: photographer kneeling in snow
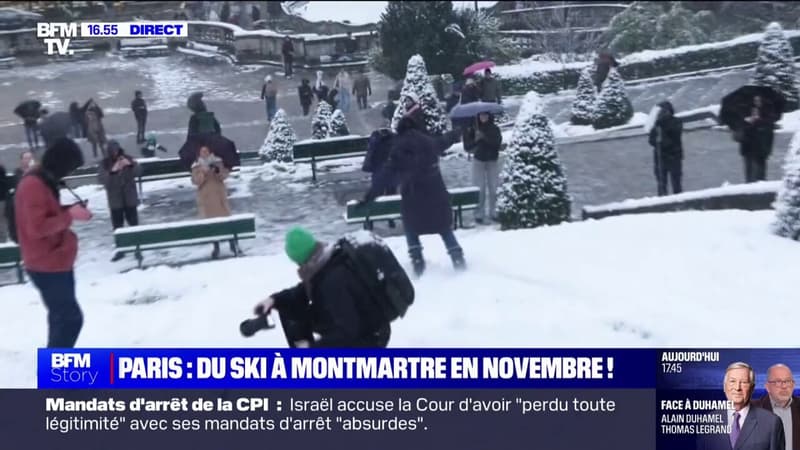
{"x": 340, "y": 296}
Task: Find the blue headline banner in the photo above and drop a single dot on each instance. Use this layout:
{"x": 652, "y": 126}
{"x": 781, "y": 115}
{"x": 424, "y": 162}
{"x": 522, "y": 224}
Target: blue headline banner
{"x": 345, "y": 368}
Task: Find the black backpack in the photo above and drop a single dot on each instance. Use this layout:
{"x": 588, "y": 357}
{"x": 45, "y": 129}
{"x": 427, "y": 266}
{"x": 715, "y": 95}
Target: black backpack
{"x": 375, "y": 265}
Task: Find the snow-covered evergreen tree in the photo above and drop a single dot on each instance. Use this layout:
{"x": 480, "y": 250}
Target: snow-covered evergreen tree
{"x": 787, "y": 203}
{"x": 775, "y": 65}
{"x": 321, "y": 123}
{"x": 679, "y": 26}
{"x": 533, "y": 186}
{"x": 280, "y": 140}
{"x": 583, "y": 106}
{"x": 339, "y": 124}
{"x": 612, "y": 106}
{"x": 418, "y": 82}
{"x": 632, "y": 29}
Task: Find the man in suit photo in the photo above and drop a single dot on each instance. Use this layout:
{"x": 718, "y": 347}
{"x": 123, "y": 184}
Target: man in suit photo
{"x": 750, "y": 427}
{"x": 781, "y": 401}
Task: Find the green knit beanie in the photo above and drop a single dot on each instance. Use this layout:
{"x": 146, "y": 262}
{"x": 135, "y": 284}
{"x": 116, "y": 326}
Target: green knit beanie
{"x": 300, "y": 245}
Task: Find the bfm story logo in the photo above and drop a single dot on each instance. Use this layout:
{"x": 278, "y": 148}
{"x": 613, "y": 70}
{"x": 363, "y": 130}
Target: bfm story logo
{"x": 72, "y": 368}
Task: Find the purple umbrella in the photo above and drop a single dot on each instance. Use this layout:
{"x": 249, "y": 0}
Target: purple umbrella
{"x": 470, "y": 110}
{"x": 478, "y": 67}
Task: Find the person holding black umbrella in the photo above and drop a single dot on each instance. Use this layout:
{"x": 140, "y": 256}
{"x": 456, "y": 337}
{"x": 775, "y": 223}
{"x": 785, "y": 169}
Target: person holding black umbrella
{"x": 757, "y": 134}
{"x": 48, "y": 246}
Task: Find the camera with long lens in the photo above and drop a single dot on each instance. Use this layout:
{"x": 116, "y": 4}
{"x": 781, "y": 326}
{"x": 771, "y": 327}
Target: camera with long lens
{"x": 252, "y": 326}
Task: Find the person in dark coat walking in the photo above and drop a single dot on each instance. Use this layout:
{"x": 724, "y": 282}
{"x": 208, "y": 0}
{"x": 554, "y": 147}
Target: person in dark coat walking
{"x": 330, "y": 300}
{"x": 78, "y": 121}
{"x": 362, "y": 89}
{"x": 413, "y": 165}
{"x": 139, "y": 108}
{"x": 287, "y": 49}
{"x": 483, "y": 140}
{"x": 26, "y": 162}
{"x": 30, "y": 121}
{"x": 48, "y": 246}
{"x": 306, "y": 95}
{"x": 757, "y": 134}
{"x": 491, "y": 90}
{"x": 665, "y": 137}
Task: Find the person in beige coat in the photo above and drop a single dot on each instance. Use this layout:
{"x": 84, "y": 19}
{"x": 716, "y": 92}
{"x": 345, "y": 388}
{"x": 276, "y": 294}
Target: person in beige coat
{"x": 209, "y": 174}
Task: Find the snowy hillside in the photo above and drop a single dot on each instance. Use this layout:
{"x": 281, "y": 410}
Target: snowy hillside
{"x": 637, "y": 281}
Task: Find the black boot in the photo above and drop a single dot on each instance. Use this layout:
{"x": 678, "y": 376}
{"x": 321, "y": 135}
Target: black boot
{"x": 458, "y": 260}
{"x": 419, "y": 266}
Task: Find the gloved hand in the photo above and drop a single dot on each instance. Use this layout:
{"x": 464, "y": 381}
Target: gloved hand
{"x": 264, "y": 307}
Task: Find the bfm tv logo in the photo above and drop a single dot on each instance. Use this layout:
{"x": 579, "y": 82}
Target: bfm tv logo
{"x": 72, "y": 368}
{"x": 47, "y": 32}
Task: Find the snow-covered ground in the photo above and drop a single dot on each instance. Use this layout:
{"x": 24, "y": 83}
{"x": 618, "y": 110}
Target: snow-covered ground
{"x": 680, "y": 279}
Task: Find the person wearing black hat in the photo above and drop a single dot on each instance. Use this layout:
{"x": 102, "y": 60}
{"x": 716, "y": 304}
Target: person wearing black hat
{"x": 665, "y": 137}
{"x": 139, "y": 108}
{"x": 48, "y": 246}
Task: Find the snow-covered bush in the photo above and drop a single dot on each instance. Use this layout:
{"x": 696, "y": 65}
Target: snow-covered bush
{"x": 280, "y": 140}
{"x": 533, "y": 186}
{"x": 418, "y": 82}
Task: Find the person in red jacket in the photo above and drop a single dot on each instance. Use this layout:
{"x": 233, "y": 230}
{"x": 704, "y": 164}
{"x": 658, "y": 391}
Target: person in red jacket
{"x": 47, "y": 244}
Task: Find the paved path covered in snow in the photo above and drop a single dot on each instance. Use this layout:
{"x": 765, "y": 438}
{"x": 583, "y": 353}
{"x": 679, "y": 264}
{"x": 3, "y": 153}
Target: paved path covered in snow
{"x": 231, "y": 92}
{"x": 598, "y": 172}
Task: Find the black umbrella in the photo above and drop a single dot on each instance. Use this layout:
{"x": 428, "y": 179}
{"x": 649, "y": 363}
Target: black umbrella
{"x": 738, "y": 104}
{"x": 195, "y": 101}
{"x": 221, "y": 146}
{"x": 28, "y": 108}
{"x": 55, "y": 126}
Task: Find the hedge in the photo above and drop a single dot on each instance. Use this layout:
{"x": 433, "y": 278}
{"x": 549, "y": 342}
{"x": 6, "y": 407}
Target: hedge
{"x": 739, "y": 51}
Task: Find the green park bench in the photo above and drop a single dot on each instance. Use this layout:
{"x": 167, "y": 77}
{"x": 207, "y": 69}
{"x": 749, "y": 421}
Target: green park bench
{"x": 388, "y": 208}
{"x": 314, "y": 151}
{"x": 183, "y": 234}
{"x": 11, "y": 258}
{"x": 152, "y": 169}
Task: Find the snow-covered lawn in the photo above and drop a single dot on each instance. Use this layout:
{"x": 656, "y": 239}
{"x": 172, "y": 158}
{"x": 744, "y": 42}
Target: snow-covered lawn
{"x": 680, "y": 279}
